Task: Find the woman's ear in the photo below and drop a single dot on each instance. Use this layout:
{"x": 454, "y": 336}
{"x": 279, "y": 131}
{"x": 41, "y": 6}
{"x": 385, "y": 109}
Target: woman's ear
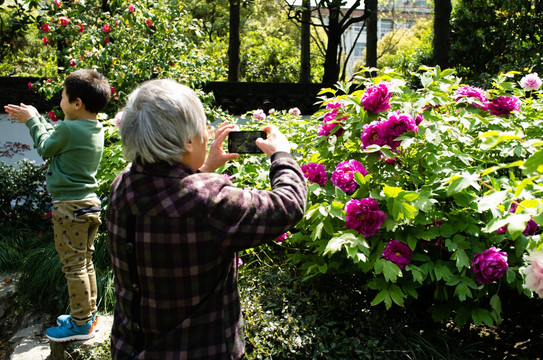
{"x": 188, "y": 146}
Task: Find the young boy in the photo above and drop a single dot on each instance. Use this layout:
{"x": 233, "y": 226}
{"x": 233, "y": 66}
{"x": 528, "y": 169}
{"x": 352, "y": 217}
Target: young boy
{"x": 75, "y": 148}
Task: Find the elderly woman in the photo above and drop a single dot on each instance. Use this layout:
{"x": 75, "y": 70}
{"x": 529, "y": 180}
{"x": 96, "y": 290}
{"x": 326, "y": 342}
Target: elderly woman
{"x": 176, "y": 228}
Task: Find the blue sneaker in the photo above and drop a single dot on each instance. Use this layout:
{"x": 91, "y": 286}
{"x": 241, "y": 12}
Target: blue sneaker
{"x": 62, "y": 319}
{"x": 69, "y": 330}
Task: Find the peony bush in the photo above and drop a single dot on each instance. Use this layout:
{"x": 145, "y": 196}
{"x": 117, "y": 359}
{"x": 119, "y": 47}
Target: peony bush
{"x": 433, "y": 188}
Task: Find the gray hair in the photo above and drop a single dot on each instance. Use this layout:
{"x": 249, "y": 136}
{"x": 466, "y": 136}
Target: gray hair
{"x": 160, "y": 118}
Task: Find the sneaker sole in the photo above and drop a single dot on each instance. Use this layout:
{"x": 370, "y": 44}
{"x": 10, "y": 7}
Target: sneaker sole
{"x": 71, "y": 338}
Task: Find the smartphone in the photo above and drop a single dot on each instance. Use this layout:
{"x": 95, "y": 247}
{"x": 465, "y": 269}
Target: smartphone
{"x": 244, "y": 142}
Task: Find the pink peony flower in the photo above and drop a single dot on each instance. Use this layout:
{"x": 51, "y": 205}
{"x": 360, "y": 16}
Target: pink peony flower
{"x": 419, "y": 119}
{"x": 259, "y": 114}
{"x": 370, "y": 135}
{"x": 58, "y": 3}
{"x": 64, "y": 21}
{"x": 45, "y": 40}
{"x": 149, "y": 22}
{"x": 530, "y": 82}
{"x": 81, "y": 28}
{"x": 295, "y": 111}
{"x": 106, "y": 28}
{"x": 283, "y": 237}
{"x": 377, "y": 98}
{"x": 45, "y": 28}
{"x": 271, "y": 111}
{"x": 533, "y": 280}
{"x": 472, "y": 92}
{"x": 489, "y": 265}
{"x": 316, "y": 173}
{"x": 52, "y": 116}
{"x": 72, "y": 62}
{"x": 131, "y": 8}
{"x": 343, "y": 176}
{"x": 364, "y": 216}
{"x": 240, "y": 261}
{"x": 503, "y": 105}
{"x": 398, "y": 252}
{"x": 30, "y": 85}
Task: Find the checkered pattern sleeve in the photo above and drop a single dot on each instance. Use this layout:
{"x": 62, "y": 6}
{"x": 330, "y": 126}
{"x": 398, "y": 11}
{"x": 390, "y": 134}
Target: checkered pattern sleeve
{"x": 174, "y": 237}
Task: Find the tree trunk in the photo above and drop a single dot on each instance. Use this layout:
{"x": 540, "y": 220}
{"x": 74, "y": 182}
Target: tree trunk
{"x": 331, "y": 63}
{"x": 305, "y": 53}
{"x": 442, "y": 32}
{"x": 371, "y": 34}
{"x": 234, "y": 42}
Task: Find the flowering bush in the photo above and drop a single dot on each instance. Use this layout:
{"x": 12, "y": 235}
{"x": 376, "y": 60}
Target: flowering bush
{"x": 443, "y": 164}
{"x": 125, "y": 42}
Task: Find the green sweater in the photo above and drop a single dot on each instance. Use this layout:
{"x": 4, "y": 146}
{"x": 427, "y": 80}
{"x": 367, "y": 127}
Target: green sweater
{"x": 75, "y": 147}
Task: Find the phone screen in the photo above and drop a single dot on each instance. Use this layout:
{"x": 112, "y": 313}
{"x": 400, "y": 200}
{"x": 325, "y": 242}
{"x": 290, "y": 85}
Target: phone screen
{"x": 243, "y": 142}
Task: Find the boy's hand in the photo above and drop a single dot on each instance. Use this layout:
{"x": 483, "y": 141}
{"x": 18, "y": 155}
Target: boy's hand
{"x": 275, "y": 141}
{"x": 21, "y": 113}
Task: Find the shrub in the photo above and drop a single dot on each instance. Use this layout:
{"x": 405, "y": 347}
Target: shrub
{"x": 446, "y": 186}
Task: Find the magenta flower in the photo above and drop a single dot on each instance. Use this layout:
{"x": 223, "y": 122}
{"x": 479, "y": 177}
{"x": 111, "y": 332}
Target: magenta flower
{"x": 81, "y": 28}
{"x": 106, "y": 28}
{"x": 343, "y": 176}
{"x": 503, "y": 105}
{"x": 419, "y": 119}
{"x": 370, "y": 135}
{"x": 396, "y": 125}
{"x": 331, "y": 121}
{"x": 531, "y": 82}
{"x": 490, "y": 265}
{"x": 45, "y": 28}
{"x": 64, "y": 21}
{"x": 30, "y": 85}
{"x": 240, "y": 261}
{"x": 73, "y": 62}
{"x": 149, "y": 22}
{"x": 259, "y": 114}
{"x": 283, "y": 237}
{"x": 377, "y": 98}
{"x": 58, "y": 3}
{"x": 45, "y": 40}
{"x": 106, "y": 40}
{"x": 398, "y": 252}
{"x": 316, "y": 173}
{"x": 472, "y": 92}
{"x": 364, "y": 216}
{"x": 531, "y": 226}
{"x": 131, "y": 8}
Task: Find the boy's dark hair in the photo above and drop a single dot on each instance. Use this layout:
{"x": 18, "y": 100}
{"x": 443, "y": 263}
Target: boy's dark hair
{"x": 91, "y": 87}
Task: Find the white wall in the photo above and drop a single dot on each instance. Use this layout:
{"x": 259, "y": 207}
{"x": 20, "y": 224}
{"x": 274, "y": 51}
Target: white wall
{"x": 16, "y": 132}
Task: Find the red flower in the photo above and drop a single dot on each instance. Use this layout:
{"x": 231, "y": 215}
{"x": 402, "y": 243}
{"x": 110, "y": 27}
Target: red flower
{"x": 64, "y": 21}
{"x": 45, "y": 40}
{"x": 113, "y": 91}
{"x": 106, "y": 40}
{"x": 131, "y": 8}
{"x": 106, "y": 28}
{"x": 52, "y": 116}
{"x": 81, "y": 28}
{"x": 58, "y": 3}
{"x": 72, "y": 62}
{"x": 149, "y": 23}
{"x": 45, "y": 28}
{"x": 29, "y": 86}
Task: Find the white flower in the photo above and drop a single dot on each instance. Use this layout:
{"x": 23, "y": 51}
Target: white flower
{"x": 534, "y": 272}
{"x": 530, "y": 82}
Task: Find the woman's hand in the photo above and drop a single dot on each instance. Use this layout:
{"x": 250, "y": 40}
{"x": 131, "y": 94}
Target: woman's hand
{"x": 275, "y": 141}
{"x": 217, "y": 156}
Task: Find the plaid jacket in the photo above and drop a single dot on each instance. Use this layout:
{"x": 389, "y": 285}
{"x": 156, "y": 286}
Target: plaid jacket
{"x": 174, "y": 238}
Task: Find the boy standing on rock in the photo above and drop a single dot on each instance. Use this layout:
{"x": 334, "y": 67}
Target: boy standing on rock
{"x": 75, "y": 149}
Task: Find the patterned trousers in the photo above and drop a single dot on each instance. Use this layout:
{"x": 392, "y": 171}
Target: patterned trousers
{"x": 75, "y": 223}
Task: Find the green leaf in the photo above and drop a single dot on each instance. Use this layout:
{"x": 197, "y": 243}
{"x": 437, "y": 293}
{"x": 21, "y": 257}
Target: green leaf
{"x": 492, "y": 200}
{"x": 534, "y": 163}
{"x": 480, "y": 315}
{"x": 496, "y": 303}
{"x": 391, "y": 271}
{"x": 458, "y": 183}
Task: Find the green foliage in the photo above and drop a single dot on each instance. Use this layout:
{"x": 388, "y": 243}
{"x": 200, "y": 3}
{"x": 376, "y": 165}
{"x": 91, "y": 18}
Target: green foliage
{"x": 445, "y": 193}
{"x": 488, "y": 37}
{"x": 127, "y": 42}
{"x": 24, "y": 204}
